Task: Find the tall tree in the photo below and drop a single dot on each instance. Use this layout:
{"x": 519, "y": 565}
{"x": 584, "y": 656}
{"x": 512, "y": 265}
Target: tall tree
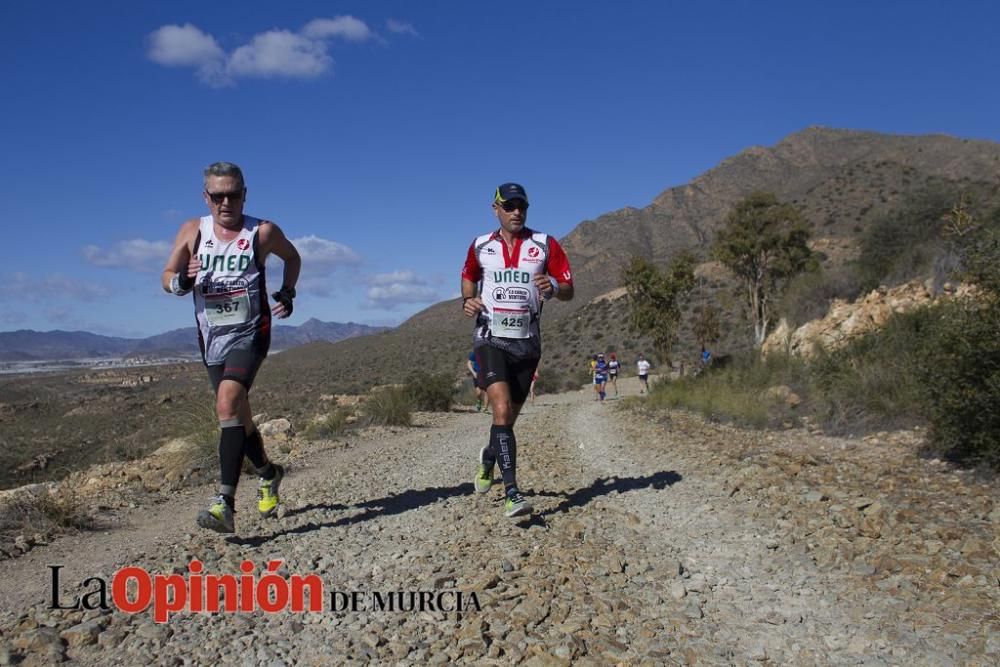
{"x": 705, "y": 325}
{"x": 657, "y": 298}
{"x": 763, "y": 242}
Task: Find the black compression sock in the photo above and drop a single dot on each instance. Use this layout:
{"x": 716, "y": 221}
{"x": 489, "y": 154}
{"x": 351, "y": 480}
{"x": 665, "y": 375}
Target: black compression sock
{"x": 231, "y": 455}
{"x": 489, "y": 456}
{"x": 502, "y": 442}
{"x": 255, "y": 452}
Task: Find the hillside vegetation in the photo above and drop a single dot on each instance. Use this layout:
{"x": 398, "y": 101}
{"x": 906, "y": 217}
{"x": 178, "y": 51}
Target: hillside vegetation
{"x": 873, "y": 207}
{"x": 938, "y": 365}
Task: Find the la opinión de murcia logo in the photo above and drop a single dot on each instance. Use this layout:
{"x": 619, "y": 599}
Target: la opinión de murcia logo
{"x": 133, "y": 590}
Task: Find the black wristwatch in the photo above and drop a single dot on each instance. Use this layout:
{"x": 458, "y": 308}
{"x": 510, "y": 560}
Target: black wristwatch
{"x": 290, "y": 291}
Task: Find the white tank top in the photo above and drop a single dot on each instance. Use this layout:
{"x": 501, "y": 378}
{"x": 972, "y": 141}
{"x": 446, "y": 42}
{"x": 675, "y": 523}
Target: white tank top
{"x": 230, "y": 295}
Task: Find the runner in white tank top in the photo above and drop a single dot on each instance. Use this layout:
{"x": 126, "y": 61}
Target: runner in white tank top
{"x": 221, "y": 258}
{"x": 230, "y": 295}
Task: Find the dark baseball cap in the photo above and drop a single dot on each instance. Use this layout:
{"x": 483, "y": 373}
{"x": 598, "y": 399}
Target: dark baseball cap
{"x": 509, "y": 191}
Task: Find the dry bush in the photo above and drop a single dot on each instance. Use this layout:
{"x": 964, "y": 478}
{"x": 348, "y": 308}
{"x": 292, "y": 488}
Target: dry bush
{"x": 44, "y": 513}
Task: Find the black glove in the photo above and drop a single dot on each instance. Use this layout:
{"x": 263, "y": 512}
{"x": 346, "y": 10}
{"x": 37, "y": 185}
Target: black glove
{"x": 284, "y": 296}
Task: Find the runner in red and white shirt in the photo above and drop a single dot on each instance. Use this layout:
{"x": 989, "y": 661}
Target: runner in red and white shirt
{"x": 507, "y": 277}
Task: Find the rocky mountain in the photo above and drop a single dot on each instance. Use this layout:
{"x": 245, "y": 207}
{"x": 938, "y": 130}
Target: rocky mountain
{"x": 28, "y": 345}
{"x": 841, "y": 180}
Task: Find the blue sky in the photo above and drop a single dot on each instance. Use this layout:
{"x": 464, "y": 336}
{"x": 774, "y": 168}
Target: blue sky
{"x": 375, "y": 132}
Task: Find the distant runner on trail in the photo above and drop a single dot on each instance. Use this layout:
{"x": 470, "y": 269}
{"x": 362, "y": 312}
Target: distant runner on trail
{"x": 643, "y": 367}
{"x": 613, "y": 368}
{"x": 507, "y": 276}
{"x": 220, "y": 259}
{"x": 477, "y": 385}
{"x": 600, "y": 377}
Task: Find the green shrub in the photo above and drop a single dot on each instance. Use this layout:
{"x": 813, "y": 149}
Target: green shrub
{"x": 961, "y": 376}
{"x": 388, "y": 406}
{"x": 939, "y": 364}
{"x": 807, "y": 296}
{"x": 738, "y": 392}
{"x": 717, "y": 401}
{"x": 431, "y": 392}
{"x": 875, "y": 382}
{"x": 330, "y": 425}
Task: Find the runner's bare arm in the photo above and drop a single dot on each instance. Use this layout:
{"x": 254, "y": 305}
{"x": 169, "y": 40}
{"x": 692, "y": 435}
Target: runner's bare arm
{"x": 273, "y": 240}
{"x": 471, "y": 303}
{"x": 181, "y": 255}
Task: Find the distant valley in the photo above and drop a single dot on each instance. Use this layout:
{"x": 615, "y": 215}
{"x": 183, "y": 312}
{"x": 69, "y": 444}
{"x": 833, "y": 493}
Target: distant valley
{"x": 26, "y": 345}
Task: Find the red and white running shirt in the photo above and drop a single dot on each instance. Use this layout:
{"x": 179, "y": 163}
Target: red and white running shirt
{"x": 511, "y": 302}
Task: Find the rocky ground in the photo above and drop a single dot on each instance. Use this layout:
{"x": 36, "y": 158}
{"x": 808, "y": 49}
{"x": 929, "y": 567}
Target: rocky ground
{"x": 655, "y": 541}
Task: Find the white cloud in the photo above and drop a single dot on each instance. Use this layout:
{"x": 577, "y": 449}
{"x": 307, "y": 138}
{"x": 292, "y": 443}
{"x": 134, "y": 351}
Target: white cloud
{"x": 394, "y": 278}
{"x": 20, "y": 286}
{"x": 345, "y": 27}
{"x": 401, "y": 27}
{"x": 135, "y": 254}
{"x": 187, "y": 46}
{"x": 323, "y": 256}
{"x": 280, "y": 53}
{"x": 390, "y": 296}
{"x": 389, "y": 290}
{"x": 183, "y": 45}
{"x": 277, "y": 53}
{"x": 320, "y": 259}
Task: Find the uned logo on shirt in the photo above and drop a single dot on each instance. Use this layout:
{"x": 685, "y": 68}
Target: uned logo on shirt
{"x": 242, "y": 244}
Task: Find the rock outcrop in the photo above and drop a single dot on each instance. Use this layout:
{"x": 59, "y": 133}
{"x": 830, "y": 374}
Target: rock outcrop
{"x": 848, "y": 320}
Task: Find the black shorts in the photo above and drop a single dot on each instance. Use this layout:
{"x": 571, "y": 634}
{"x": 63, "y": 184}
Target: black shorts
{"x": 498, "y": 366}
{"x": 240, "y": 365}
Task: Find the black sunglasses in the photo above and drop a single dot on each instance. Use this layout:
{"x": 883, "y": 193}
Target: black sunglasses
{"x": 511, "y": 204}
{"x": 219, "y": 197}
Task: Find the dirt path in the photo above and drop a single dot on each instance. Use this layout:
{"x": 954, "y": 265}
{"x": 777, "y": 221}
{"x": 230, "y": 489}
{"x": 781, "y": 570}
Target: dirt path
{"x": 672, "y": 542}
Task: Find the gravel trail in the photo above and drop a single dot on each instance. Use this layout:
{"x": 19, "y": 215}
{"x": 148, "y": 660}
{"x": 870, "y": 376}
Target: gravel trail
{"x": 653, "y": 542}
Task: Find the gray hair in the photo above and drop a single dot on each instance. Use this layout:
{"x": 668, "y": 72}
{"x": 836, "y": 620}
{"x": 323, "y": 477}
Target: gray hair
{"x": 224, "y": 169}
